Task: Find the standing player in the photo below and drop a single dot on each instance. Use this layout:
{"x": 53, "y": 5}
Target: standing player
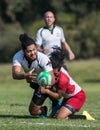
{"x": 73, "y": 95}
{"x": 51, "y": 35}
{"x": 31, "y": 61}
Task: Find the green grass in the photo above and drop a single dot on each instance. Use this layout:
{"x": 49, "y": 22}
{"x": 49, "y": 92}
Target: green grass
{"x": 15, "y": 97}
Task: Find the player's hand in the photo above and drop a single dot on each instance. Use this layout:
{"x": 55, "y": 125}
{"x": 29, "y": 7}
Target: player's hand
{"x": 30, "y": 76}
{"x": 44, "y": 90}
{"x": 45, "y": 51}
{"x": 71, "y": 56}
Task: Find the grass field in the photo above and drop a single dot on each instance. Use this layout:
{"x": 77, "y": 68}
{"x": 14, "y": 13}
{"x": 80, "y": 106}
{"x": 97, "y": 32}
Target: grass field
{"x": 15, "y": 97}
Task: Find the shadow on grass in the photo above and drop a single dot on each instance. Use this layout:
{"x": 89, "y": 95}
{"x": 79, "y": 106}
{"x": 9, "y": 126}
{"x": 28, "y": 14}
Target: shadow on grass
{"x": 92, "y": 81}
{"x": 18, "y": 116}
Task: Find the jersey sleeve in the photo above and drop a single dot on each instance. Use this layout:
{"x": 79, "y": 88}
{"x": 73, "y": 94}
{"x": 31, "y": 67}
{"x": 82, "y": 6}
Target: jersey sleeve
{"x": 45, "y": 62}
{"x": 16, "y": 59}
{"x": 38, "y": 39}
{"x": 16, "y": 62}
{"x": 62, "y": 35}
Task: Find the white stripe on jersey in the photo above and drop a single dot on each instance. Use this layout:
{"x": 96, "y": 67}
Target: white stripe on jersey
{"x": 72, "y": 82}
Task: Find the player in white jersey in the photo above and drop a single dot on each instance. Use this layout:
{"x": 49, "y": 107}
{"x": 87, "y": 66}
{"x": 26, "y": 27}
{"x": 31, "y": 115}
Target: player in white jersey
{"x": 31, "y": 61}
{"x": 51, "y": 35}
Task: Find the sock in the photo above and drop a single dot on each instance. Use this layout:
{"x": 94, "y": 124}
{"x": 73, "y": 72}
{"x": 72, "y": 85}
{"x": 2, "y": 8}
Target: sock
{"x": 44, "y": 110}
{"x": 77, "y": 117}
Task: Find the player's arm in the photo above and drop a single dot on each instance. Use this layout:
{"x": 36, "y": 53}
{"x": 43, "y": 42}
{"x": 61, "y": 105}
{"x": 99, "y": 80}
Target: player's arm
{"x": 53, "y": 77}
{"x": 38, "y": 41}
{"x": 39, "y": 48}
{"x": 18, "y": 74}
{"x": 55, "y": 95}
{"x": 68, "y": 49}
{"x": 45, "y": 51}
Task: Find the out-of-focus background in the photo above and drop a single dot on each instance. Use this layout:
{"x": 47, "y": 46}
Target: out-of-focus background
{"x": 79, "y": 19}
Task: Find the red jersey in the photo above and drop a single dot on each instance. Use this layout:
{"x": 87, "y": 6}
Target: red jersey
{"x": 66, "y": 83}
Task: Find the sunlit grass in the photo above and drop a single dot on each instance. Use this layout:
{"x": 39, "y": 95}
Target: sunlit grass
{"x": 15, "y": 96}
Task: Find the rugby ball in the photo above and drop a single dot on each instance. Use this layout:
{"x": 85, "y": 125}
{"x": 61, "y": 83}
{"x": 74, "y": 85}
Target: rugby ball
{"x": 44, "y": 79}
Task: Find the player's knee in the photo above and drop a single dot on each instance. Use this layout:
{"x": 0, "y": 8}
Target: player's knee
{"x": 31, "y": 111}
{"x": 34, "y": 110}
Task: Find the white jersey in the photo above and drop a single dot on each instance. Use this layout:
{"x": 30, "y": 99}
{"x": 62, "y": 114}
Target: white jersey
{"x": 50, "y": 38}
{"x": 42, "y": 62}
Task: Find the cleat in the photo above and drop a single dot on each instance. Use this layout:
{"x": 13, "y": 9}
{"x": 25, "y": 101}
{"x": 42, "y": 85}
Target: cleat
{"x": 42, "y": 116}
{"x": 88, "y": 116}
{"x": 55, "y": 109}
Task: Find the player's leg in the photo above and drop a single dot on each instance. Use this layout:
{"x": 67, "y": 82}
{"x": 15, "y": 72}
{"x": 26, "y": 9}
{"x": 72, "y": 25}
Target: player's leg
{"x": 63, "y": 113}
{"x": 36, "y": 110}
{"x": 77, "y": 117}
{"x": 54, "y": 104}
{"x": 72, "y": 115}
{"x": 71, "y": 105}
{"x": 67, "y": 112}
{"x": 35, "y": 107}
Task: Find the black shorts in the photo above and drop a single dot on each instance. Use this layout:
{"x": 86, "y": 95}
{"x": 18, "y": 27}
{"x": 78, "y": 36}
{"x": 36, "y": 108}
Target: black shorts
{"x": 34, "y": 85}
{"x": 73, "y": 110}
{"x": 38, "y": 98}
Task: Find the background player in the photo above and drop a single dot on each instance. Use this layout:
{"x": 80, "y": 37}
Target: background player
{"x": 52, "y": 35}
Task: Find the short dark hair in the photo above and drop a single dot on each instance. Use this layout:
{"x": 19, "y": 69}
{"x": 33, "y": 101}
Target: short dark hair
{"x": 50, "y": 12}
{"x": 57, "y": 57}
{"x": 26, "y": 40}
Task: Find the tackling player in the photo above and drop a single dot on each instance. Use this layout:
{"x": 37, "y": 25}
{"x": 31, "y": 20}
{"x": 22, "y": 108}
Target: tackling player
{"x": 73, "y": 95}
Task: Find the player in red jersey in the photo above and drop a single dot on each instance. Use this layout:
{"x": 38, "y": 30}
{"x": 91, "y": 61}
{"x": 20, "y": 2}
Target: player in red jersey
{"x": 73, "y": 95}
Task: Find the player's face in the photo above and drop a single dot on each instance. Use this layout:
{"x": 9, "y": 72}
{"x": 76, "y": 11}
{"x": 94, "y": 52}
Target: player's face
{"x": 49, "y": 19}
{"x": 31, "y": 52}
{"x": 56, "y": 73}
